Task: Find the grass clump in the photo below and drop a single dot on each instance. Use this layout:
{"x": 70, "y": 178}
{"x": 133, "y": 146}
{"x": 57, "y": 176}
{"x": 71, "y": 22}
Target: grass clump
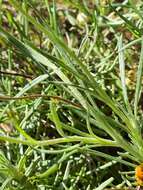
{"x": 71, "y": 87}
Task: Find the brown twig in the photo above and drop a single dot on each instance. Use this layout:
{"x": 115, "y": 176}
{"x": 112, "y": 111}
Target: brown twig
{"x": 33, "y": 96}
{"x": 15, "y": 74}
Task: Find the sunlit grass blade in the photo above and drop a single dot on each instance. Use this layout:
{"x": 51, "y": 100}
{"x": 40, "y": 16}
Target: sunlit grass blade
{"x": 139, "y": 81}
{"x": 122, "y": 74}
{"x": 105, "y": 184}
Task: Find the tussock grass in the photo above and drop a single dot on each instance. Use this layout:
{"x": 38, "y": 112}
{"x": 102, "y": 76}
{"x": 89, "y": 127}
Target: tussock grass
{"x": 70, "y": 115}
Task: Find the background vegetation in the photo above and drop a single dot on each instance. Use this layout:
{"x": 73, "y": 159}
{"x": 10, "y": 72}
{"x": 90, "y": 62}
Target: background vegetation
{"x": 70, "y": 94}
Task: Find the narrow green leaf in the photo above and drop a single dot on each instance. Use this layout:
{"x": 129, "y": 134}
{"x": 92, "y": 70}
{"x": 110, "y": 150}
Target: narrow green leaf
{"x": 56, "y": 118}
{"x": 122, "y": 74}
{"x": 105, "y": 184}
{"x": 139, "y": 80}
{"x": 32, "y": 84}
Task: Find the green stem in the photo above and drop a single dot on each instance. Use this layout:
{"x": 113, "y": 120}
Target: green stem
{"x": 86, "y": 140}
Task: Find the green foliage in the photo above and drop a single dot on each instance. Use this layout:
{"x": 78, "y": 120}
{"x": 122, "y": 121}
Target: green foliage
{"x": 69, "y": 119}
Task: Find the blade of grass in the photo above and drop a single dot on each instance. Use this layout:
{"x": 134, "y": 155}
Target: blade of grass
{"x": 136, "y": 41}
{"x": 139, "y": 80}
{"x": 56, "y": 118}
{"x": 69, "y": 139}
{"x": 135, "y": 30}
{"x": 122, "y": 74}
{"x": 109, "y": 157}
{"x": 105, "y": 184}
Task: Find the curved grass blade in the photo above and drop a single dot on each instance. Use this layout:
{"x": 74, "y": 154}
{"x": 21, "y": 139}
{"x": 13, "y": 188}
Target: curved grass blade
{"x": 56, "y": 118}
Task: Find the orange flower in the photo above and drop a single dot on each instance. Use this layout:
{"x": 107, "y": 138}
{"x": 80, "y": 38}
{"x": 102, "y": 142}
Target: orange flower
{"x": 139, "y": 174}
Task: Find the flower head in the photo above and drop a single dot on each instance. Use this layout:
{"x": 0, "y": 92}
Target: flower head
{"x": 139, "y": 174}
